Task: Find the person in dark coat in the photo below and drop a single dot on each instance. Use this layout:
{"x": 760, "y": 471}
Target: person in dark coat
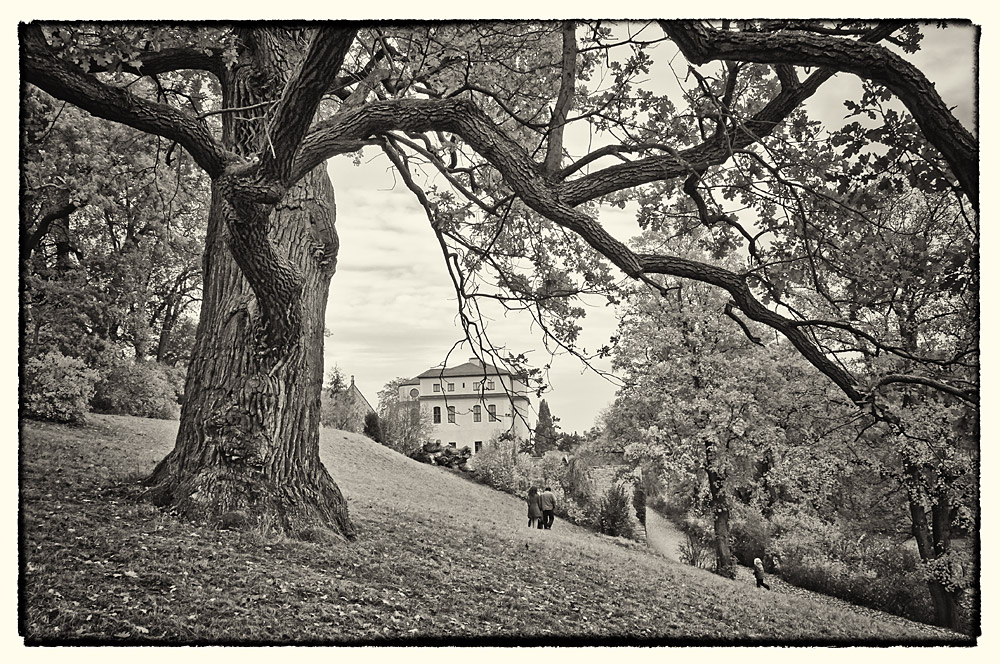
{"x": 534, "y": 508}
{"x": 547, "y": 501}
{"x": 758, "y": 573}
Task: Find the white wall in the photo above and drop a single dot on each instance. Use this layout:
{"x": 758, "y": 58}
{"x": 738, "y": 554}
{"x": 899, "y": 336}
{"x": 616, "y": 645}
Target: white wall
{"x": 464, "y": 393}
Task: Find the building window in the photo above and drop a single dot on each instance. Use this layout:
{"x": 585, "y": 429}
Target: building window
{"x": 477, "y": 413}
{"x": 452, "y": 444}
{"x": 437, "y": 415}
{"x": 493, "y": 413}
{"x": 437, "y": 387}
{"x": 451, "y": 387}
{"x": 479, "y": 445}
{"x": 490, "y": 385}
{"x": 414, "y": 393}
{"x": 451, "y": 414}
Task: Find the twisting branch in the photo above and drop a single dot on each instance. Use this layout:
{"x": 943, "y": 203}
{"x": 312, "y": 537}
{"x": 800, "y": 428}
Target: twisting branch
{"x": 730, "y": 311}
{"x": 68, "y": 82}
{"x": 709, "y": 220}
{"x": 867, "y": 60}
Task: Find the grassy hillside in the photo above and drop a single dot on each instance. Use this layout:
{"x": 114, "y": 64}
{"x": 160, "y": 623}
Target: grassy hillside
{"x": 439, "y": 560}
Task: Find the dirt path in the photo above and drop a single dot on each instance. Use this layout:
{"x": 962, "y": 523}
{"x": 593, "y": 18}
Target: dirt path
{"x": 666, "y": 538}
{"x": 663, "y": 536}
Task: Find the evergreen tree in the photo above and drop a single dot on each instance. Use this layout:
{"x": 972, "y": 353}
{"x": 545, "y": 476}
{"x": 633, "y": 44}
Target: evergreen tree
{"x": 545, "y": 429}
{"x": 373, "y": 428}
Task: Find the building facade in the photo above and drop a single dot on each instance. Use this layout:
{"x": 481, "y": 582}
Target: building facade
{"x": 469, "y": 404}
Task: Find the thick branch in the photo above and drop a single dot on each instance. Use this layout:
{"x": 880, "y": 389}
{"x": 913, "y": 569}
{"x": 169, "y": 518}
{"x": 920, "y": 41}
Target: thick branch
{"x": 737, "y": 288}
{"x": 701, "y": 43}
{"x": 169, "y": 59}
{"x": 301, "y": 97}
{"x": 60, "y": 209}
{"x": 970, "y": 396}
{"x": 69, "y": 83}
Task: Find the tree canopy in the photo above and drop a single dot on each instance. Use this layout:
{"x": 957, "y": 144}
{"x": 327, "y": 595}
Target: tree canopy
{"x": 857, "y": 244}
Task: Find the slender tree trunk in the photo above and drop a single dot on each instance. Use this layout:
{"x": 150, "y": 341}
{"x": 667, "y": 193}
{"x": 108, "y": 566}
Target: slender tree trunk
{"x": 248, "y": 446}
{"x": 720, "y": 513}
{"x": 933, "y": 537}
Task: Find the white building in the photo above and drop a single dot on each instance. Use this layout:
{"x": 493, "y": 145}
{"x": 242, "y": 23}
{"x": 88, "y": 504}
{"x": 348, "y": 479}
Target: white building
{"x": 469, "y": 404}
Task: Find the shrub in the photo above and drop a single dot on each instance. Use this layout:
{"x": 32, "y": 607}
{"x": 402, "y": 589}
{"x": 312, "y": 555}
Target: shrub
{"x": 142, "y": 389}
{"x": 57, "y": 388}
{"x": 639, "y": 503}
{"x": 698, "y": 548}
{"x": 869, "y": 571}
{"x": 373, "y": 427}
{"x": 496, "y": 466}
{"x": 615, "y": 513}
{"x": 583, "y": 514}
{"x": 750, "y": 533}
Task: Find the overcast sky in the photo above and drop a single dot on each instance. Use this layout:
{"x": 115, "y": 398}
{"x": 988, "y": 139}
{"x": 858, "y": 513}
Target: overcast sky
{"x": 392, "y": 309}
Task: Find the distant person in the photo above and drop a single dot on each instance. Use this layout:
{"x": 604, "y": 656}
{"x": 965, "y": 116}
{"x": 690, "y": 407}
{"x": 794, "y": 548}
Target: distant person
{"x": 547, "y": 501}
{"x": 534, "y": 508}
{"x": 758, "y": 573}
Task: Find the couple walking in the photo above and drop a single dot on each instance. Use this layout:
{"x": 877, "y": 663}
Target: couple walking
{"x": 541, "y": 508}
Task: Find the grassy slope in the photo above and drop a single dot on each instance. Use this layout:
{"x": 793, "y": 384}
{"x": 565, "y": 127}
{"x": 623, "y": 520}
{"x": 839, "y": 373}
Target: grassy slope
{"x": 439, "y": 559}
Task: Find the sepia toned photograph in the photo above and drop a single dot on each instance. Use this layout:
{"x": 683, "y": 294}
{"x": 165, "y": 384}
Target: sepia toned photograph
{"x": 499, "y": 333}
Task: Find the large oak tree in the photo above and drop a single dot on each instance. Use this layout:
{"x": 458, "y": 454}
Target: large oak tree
{"x": 488, "y": 106}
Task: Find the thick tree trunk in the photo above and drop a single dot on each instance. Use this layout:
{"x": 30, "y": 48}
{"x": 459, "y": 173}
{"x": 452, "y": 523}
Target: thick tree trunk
{"x": 247, "y": 451}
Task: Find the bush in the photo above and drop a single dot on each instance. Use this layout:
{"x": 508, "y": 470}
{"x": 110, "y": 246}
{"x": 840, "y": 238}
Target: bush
{"x": 142, "y": 389}
{"x": 750, "y": 534}
{"x": 584, "y": 514}
{"x": 639, "y": 503}
{"x": 496, "y": 465}
{"x": 698, "y": 549}
{"x": 373, "y": 427}
{"x": 57, "y": 388}
{"x": 869, "y": 571}
{"x": 615, "y": 514}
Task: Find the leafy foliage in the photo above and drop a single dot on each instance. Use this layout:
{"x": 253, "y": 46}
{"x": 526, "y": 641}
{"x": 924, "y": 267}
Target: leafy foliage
{"x": 56, "y": 387}
{"x": 615, "y": 515}
{"x": 146, "y": 389}
{"x": 373, "y": 427}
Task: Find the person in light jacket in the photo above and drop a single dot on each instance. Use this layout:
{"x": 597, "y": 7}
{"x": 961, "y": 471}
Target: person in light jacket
{"x": 534, "y": 508}
{"x": 547, "y": 501}
{"x": 758, "y": 573}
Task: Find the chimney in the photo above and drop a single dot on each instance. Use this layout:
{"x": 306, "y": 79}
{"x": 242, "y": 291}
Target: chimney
{"x": 475, "y": 360}
{"x": 352, "y": 380}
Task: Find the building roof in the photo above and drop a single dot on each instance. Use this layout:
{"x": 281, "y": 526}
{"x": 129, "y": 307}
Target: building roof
{"x": 467, "y": 369}
{"x": 356, "y": 393}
